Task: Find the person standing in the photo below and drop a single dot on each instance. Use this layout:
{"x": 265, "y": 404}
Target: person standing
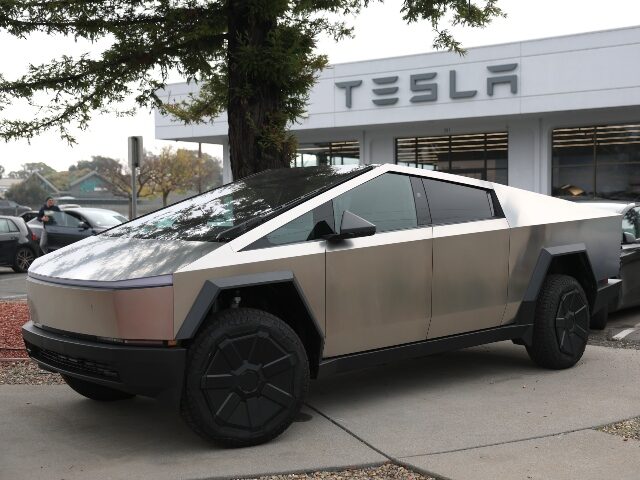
{"x": 49, "y": 206}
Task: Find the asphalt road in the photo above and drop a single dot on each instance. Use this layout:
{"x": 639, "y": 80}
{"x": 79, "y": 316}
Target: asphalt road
{"x": 12, "y": 285}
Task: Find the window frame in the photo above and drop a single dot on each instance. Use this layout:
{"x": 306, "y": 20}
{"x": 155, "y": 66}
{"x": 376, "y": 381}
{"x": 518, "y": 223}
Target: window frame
{"x": 450, "y": 139}
{"x": 555, "y": 134}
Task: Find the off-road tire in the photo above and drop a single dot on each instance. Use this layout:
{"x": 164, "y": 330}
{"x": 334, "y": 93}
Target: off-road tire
{"x": 24, "y": 259}
{"x": 246, "y": 379}
{"x": 599, "y": 320}
{"x": 95, "y": 391}
{"x": 561, "y": 326}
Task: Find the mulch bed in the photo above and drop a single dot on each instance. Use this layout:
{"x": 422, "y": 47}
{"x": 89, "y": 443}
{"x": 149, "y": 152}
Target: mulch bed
{"x": 12, "y": 316}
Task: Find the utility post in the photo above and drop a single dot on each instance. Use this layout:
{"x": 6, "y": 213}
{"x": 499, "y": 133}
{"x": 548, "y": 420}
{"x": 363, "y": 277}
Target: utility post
{"x": 135, "y": 158}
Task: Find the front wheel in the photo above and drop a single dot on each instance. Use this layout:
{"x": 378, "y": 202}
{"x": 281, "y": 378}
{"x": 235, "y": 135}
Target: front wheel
{"x": 95, "y": 391}
{"x": 561, "y": 326}
{"x": 247, "y": 376}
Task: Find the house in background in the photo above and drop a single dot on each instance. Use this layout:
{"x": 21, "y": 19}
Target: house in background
{"x": 6, "y": 184}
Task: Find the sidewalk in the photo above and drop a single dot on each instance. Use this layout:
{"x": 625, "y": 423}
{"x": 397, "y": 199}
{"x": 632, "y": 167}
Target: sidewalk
{"x": 481, "y": 413}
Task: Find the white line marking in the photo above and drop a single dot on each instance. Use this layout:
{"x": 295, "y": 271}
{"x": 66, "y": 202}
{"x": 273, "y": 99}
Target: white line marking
{"x": 623, "y": 333}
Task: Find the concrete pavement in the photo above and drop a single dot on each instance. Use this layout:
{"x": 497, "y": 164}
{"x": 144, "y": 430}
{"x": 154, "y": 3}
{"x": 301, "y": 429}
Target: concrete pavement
{"x": 13, "y": 286}
{"x": 481, "y": 413}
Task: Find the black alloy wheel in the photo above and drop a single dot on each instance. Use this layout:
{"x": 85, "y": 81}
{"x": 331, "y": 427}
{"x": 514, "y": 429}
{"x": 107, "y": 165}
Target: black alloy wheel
{"x": 247, "y": 376}
{"x": 561, "y": 326}
{"x": 24, "y": 259}
{"x": 572, "y": 322}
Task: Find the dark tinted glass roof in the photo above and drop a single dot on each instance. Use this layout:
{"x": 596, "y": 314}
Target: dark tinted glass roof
{"x": 232, "y": 209}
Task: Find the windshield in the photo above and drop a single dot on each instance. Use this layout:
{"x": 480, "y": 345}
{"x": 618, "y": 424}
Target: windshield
{"x": 104, "y": 218}
{"x": 204, "y": 217}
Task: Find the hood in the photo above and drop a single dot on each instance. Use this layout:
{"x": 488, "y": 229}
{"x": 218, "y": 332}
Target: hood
{"x": 108, "y": 259}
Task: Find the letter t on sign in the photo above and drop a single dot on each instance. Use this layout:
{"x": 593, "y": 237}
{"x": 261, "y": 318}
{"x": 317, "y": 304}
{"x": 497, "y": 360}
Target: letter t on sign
{"x": 348, "y": 87}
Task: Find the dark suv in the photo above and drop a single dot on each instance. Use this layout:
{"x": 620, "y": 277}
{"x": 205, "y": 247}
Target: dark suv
{"x": 9, "y": 207}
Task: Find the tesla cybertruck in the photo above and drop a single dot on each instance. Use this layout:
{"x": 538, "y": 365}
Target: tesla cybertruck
{"x": 227, "y": 303}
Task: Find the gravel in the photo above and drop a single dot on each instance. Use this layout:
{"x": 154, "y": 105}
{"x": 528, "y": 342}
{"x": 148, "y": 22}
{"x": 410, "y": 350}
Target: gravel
{"x": 627, "y": 429}
{"x": 602, "y": 341}
{"x": 388, "y": 471}
{"x": 12, "y": 316}
{"x": 26, "y": 372}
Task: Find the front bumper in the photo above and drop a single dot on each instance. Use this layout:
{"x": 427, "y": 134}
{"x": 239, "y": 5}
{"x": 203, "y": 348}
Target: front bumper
{"x": 148, "y": 371}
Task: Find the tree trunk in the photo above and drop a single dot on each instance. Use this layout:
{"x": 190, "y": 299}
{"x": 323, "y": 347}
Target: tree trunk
{"x": 165, "y": 195}
{"x": 252, "y": 101}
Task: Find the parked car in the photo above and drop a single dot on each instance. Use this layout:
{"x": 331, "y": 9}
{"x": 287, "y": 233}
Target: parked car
{"x": 629, "y": 259}
{"x": 228, "y": 302}
{"x": 9, "y": 207}
{"x": 18, "y": 246}
{"x": 73, "y": 224}
{"x": 28, "y": 216}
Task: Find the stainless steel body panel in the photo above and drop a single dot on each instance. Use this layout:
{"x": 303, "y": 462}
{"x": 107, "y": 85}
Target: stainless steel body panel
{"x": 470, "y": 273}
{"x": 538, "y": 221}
{"x": 305, "y": 260}
{"x": 528, "y": 241}
{"x": 378, "y": 291}
{"x": 135, "y": 314}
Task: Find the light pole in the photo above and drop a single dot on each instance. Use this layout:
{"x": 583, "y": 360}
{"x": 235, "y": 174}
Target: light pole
{"x": 135, "y": 157}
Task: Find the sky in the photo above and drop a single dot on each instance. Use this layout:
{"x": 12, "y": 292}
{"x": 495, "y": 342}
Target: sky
{"x": 379, "y": 32}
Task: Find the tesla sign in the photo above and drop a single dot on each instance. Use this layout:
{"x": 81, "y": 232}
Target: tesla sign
{"x": 424, "y": 86}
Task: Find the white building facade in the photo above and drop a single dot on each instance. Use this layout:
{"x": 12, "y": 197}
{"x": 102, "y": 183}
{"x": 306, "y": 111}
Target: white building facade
{"x": 559, "y": 116}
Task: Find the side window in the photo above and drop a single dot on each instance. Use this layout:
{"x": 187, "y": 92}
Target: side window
{"x": 12, "y": 226}
{"x": 386, "y": 201}
{"x": 453, "y": 203}
{"x": 309, "y": 226}
{"x": 4, "y": 225}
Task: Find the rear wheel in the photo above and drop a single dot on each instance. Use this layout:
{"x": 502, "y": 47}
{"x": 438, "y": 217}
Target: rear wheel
{"x": 247, "y": 376}
{"x": 95, "y": 391}
{"x": 24, "y": 259}
{"x": 561, "y": 327}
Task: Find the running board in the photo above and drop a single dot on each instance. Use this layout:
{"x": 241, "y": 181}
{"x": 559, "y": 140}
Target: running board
{"x": 332, "y": 366}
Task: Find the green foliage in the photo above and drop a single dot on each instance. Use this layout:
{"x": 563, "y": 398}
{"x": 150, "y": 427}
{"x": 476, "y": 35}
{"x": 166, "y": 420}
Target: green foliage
{"x": 256, "y": 59}
{"x": 28, "y": 168}
{"x": 28, "y": 192}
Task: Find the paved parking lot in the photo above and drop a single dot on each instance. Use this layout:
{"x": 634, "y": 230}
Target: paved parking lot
{"x": 481, "y": 413}
{"x": 12, "y": 285}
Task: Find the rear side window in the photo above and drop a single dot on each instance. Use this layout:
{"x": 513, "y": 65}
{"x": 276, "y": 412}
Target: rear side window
{"x": 4, "y": 225}
{"x": 12, "y": 226}
{"x": 453, "y": 203}
{"x": 386, "y": 201}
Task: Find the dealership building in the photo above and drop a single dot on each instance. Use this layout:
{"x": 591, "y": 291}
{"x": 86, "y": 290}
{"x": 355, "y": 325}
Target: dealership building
{"x": 559, "y": 116}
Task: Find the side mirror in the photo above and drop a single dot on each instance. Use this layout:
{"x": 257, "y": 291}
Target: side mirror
{"x": 352, "y": 226}
{"x": 628, "y": 238}
{"x": 83, "y": 226}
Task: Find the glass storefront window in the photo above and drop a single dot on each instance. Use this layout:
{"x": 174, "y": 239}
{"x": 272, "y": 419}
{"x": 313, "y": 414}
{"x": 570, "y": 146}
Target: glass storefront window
{"x": 334, "y": 153}
{"x": 480, "y": 155}
{"x": 597, "y": 162}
